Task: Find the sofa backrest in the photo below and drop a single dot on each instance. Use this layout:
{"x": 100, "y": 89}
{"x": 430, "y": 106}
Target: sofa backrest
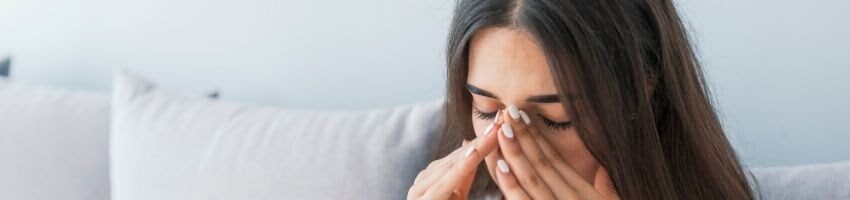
{"x": 53, "y": 143}
{"x": 167, "y": 146}
{"x": 813, "y": 181}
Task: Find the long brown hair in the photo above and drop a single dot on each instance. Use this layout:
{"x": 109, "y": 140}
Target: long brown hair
{"x": 626, "y": 72}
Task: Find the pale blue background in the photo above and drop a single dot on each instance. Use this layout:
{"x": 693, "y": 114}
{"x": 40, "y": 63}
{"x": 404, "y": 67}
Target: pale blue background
{"x": 778, "y": 68}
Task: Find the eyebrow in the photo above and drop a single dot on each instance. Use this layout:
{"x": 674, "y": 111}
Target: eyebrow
{"x": 548, "y": 98}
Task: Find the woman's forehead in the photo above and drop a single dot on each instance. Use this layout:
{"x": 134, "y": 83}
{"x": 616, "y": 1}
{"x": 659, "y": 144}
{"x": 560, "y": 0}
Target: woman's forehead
{"x": 509, "y": 63}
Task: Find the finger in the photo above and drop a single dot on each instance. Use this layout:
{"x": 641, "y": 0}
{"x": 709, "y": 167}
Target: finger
{"x": 433, "y": 172}
{"x": 465, "y": 185}
{"x": 461, "y": 192}
{"x": 564, "y": 169}
{"x": 603, "y": 183}
{"x": 425, "y": 174}
{"x": 525, "y": 174}
{"x": 525, "y": 136}
{"x": 424, "y": 177}
{"x": 446, "y": 162}
{"x": 463, "y": 165}
{"x": 508, "y": 183}
{"x": 484, "y": 145}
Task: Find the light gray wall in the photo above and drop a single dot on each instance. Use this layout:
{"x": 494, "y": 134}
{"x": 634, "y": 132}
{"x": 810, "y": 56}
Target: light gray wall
{"x": 781, "y": 73}
{"x": 305, "y": 54}
{"x": 779, "y": 68}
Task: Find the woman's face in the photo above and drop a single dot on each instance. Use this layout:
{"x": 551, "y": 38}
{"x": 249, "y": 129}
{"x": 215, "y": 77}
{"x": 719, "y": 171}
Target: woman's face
{"x": 507, "y": 67}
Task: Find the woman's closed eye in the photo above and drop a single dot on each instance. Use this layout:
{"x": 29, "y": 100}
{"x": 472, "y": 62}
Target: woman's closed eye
{"x": 554, "y": 125}
{"x": 483, "y": 115}
{"x": 551, "y": 124}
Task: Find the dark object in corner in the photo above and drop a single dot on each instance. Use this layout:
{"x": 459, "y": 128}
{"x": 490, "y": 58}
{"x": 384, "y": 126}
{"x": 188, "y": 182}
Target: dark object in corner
{"x": 213, "y": 95}
{"x": 4, "y": 67}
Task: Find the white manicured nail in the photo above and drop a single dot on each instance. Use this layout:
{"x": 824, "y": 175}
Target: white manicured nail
{"x": 488, "y": 129}
{"x": 503, "y": 166}
{"x": 525, "y": 117}
{"x": 513, "y": 111}
{"x": 498, "y": 114}
{"x": 506, "y": 129}
{"x": 469, "y": 152}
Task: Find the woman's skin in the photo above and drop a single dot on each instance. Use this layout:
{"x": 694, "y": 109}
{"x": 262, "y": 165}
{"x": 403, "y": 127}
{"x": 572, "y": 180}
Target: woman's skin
{"x": 508, "y": 64}
{"x": 513, "y": 94}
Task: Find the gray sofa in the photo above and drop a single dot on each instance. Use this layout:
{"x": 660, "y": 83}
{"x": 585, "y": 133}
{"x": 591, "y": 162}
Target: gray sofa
{"x": 143, "y": 142}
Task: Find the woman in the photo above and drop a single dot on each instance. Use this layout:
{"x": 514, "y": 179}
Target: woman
{"x": 577, "y": 99}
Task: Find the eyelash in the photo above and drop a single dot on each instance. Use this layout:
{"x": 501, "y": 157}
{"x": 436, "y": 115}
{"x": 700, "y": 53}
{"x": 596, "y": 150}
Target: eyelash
{"x": 559, "y": 126}
{"x": 483, "y": 115}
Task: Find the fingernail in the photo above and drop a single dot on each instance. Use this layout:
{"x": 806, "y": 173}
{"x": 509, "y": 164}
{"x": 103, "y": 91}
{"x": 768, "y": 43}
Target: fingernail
{"x": 525, "y": 117}
{"x": 513, "y": 111}
{"x": 506, "y": 129}
{"x": 488, "y": 129}
{"x": 503, "y": 166}
{"x": 469, "y": 152}
{"x": 498, "y": 115}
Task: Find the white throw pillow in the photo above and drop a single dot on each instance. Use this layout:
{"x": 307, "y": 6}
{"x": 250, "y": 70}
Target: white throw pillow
{"x": 53, "y": 143}
{"x": 165, "y": 146}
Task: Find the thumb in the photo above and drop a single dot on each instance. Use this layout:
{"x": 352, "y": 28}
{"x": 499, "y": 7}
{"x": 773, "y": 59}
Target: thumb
{"x": 603, "y": 183}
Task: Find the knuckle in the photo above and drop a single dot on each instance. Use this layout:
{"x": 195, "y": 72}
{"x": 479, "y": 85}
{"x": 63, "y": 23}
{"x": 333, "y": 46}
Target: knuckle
{"x": 426, "y": 173}
{"x": 433, "y": 164}
{"x": 413, "y": 192}
{"x": 542, "y": 163}
{"x": 533, "y": 129}
{"x": 448, "y": 164}
{"x": 437, "y": 165}
{"x": 522, "y": 132}
{"x": 509, "y": 185}
{"x": 556, "y": 157}
{"x": 532, "y": 181}
{"x": 420, "y": 176}
{"x": 513, "y": 152}
{"x": 552, "y": 155}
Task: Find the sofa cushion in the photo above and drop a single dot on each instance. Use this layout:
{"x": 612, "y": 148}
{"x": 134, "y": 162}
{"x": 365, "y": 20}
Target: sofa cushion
{"x": 53, "y": 143}
{"x": 815, "y": 181}
{"x": 166, "y": 146}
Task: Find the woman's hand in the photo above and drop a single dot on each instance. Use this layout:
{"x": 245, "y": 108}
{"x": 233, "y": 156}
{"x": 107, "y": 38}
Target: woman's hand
{"x": 535, "y": 170}
{"x": 451, "y": 177}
